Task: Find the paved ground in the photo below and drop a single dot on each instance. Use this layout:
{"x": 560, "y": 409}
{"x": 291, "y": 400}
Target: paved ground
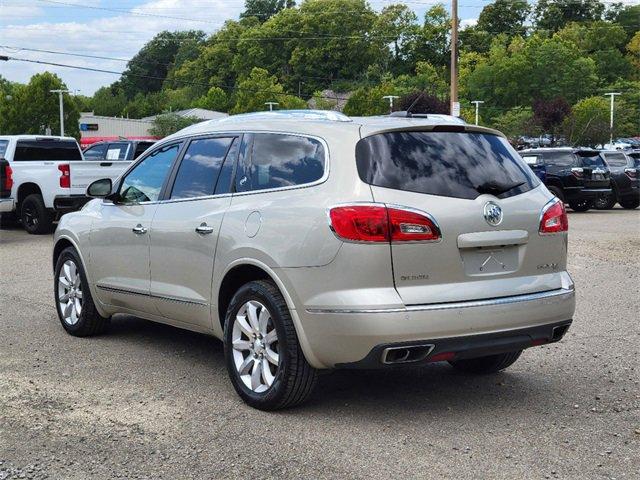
{"x": 150, "y": 401}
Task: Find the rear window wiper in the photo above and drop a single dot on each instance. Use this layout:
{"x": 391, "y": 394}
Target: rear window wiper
{"x": 495, "y": 188}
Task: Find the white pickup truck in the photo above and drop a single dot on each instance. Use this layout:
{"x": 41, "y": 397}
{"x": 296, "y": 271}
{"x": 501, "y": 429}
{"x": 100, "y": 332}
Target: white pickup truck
{"x": 43, "y": 177}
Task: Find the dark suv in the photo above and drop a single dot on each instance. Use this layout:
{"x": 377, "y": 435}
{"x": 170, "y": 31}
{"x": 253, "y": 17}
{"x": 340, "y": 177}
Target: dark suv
{"x": 625, "y": 183}
{"x": 576, "y": 176}
{"x": 116, "y": 150}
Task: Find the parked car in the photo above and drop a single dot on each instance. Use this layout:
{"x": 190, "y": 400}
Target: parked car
{"x": 44, "y": 177}
{"x": 576, "y": 176}
{"x": 625, "y": 182}
{"x": 115, "y": 151}
{"x": 311, "y": 240}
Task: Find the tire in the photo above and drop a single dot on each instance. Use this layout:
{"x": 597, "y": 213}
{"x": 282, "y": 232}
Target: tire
{"x": 581, "y": 205}
{"x": 488, "y": 364}
{"x": 606, "y": 202}
{"x": 89, "y": 321}
{"x": 292, "y": 378}
{"x": 36, "y": 219}
{"x": 557, "y": 192}
{"x": 630, "y": 203}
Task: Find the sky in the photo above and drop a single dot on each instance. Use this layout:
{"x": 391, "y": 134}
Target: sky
{"x": 119, "y": 28}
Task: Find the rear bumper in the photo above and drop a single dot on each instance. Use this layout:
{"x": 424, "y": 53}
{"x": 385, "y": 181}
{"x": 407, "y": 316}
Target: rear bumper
{"x": 7, "y": 205}
{"x": 578, "y": 194}
{"x": 340, "y": 338}
{"x": 69, "y": 203}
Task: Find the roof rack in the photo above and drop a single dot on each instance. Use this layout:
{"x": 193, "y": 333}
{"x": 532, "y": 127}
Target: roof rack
{"x": 328, "y": 115}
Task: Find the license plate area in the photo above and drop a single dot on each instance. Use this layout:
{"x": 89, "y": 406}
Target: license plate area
{"x": 485, "y": 261}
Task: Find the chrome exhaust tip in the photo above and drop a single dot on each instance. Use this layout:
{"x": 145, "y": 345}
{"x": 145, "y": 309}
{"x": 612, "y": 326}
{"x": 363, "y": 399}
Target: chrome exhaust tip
{"x": 406, "y": 354}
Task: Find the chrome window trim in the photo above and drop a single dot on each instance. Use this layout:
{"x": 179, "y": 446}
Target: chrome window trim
{"x": 492, "y": 302}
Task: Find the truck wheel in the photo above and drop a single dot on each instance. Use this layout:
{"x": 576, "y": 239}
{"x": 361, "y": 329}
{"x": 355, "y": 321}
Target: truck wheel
{"x": 606, "y": 202}
{"x": 36, "y": 219}
{"x": 74, "y": 303}
{"x": 581, "y": 205}
{"x": 488, "y": 364}
{"x": 264, "y": 359}
{"x": 630, "y": 203}
{"x": 557, "y": 192}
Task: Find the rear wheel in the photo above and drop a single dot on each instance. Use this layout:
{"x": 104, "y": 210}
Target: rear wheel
{"x": 630, "y": 203}
{"x": 488, "y": 364}
{"x": 557, "y": 192}
{"x": 264, "y": 359}
{"x": 606, "y": 202}
{"x": 581, "y": 205}
{"x": 36, "y": 219}
{"x": 74, "y": 303}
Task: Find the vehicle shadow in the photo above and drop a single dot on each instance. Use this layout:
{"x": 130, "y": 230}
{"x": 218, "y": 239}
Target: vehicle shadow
{"x": 432, "y": 388}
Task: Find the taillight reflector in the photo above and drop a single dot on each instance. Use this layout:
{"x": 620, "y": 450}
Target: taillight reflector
{"x": 379, "y": 223}
{"x": 554, "y": 218}
{"x": 632, "y": 173}
{"x": 65, "y": 175}
{"x": 578, "y": 172}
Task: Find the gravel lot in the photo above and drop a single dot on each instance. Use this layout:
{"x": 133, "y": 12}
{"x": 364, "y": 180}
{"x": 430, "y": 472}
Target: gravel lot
{"x": 151, "y": 401}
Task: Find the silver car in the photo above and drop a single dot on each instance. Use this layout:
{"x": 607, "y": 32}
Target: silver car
{"x": 310, "y": 240}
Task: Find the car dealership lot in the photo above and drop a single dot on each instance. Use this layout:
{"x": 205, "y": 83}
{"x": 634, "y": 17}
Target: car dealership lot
{"x": 150, "y": 401}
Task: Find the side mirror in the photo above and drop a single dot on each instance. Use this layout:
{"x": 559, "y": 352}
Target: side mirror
{"x": 100, "y": 188}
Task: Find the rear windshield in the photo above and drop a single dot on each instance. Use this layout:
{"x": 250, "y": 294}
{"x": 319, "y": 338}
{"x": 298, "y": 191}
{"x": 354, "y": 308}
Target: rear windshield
{"x": 591, "y": 159}
{"x": 616, "y": 159}
{"x": 450, "y": 164}
{"x": 47, "y": 150}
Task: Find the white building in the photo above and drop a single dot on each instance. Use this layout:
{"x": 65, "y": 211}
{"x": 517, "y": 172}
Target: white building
{"x": 94, "y": 128}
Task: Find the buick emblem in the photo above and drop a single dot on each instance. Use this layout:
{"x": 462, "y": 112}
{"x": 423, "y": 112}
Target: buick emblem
{"x": 492, "y": 214}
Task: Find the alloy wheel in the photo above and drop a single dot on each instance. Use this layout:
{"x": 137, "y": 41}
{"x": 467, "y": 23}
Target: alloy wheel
{"x": 70, "y": 292}
{"x": 255, "y": 346}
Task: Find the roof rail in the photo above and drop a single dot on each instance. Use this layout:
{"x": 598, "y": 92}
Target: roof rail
{"x": 328, "y": 115}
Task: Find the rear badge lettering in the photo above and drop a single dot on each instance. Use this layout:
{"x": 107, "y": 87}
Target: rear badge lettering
{"x": 413, "y": 278}
{"x": 548, "y": 266}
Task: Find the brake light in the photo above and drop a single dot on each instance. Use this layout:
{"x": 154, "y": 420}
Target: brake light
{"x": 379, "y": 224}
{"x": 7, "y": 183}
{"x": 65, "y": 175}
{"x": 578, "y": 172}
{"x": 632, "y": 173}
{"x": 554, "y": 218}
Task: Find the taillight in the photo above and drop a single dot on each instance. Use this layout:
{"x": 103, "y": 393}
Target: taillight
{"x": 379, "y": 223}
{"x": 65, "y": 175}
{"x": 7, "y": 178}
{"x": 578, "y": 172}
{"x": 632, "y": 173}
{"x": 554, "y": 218}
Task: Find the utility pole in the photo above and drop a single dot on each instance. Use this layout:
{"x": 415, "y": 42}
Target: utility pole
{"x": 477, "y": 102}
{"x": 391, "y": 98}
{"x": 271, "y": 104}
{"x": 612, "y": 95}
{"x": 60, "y": 99}
{"x": 455, "y": 106}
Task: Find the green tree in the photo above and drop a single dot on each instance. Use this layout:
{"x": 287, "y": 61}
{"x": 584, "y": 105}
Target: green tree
{"x": 552, "y": 15}
{"x": 504, "y": 16}
{"x": 215, "y": 99}
{"x": 263, "y": 10}
{"x": 168, "y": 123}
{"x": 33, "y": 108}
{"x": 515, "y": 122}
{"x": 396, "y": 25}
{"x": 588, "y": 124}
{"x": 260, "y": 87}
{"x": 431, "y": 42}
{"x": 629, "y": 19}
{"x": 109, "y": 101}
{"x": 633, "y": 49}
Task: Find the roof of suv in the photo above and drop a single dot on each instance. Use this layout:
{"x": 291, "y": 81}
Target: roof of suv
{"x": 317, "y": 121}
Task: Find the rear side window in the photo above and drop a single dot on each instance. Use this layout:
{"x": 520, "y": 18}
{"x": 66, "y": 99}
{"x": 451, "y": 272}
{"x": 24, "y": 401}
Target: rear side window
{"x": 560, "y": 159}
{"x": 616, "y": 159}
{"x": 450, "y": 164}
{"x": 3, "y": 147}
{"x": 96, "y": 152}
{"x": 47, "y": 150}
{"x": 141, "y": 148}
{"x": 200, "y": 168}
{"x": 117, "y": 151}
{"x": 531, "y": 159}
{"x": 280, "y": 160}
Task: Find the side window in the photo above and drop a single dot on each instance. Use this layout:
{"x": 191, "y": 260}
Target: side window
{"x": 280, "y": 160}
{"x": 141, "y": 148}
{"x": 96, "y": 152}
{"x": 201, "y": 167}
{"x": 531, "y": 159}
{"x": 117, "y": 151}
{"x": 559, "y": 159}
{"x": 144, "y": 182}
{"x": 3, "y": 147}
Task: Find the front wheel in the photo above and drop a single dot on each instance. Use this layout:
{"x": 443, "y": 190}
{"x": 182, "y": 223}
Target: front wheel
{"x": 488, "y": 364}
{"x": 265, "y": 362}
{"x": 74, "y": 303}
{"x": 581, "y": 205}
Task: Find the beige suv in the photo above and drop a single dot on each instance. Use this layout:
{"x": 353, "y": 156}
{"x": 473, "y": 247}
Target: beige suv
{"x": 309, "y": 240}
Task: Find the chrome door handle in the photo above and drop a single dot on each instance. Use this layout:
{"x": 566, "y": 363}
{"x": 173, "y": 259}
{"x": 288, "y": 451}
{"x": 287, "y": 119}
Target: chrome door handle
{"x": 139, "y": 230}
{"x": 204, "y": 229}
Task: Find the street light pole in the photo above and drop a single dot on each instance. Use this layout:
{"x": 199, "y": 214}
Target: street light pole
{"x": 60, "y": 99}
{"x": 477, "y": 102}
{"x": 391, "y": 98}
{"x": 612, "y": 95}
{"x": 455, "y": 106}
{"x": 271, "y": 104}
